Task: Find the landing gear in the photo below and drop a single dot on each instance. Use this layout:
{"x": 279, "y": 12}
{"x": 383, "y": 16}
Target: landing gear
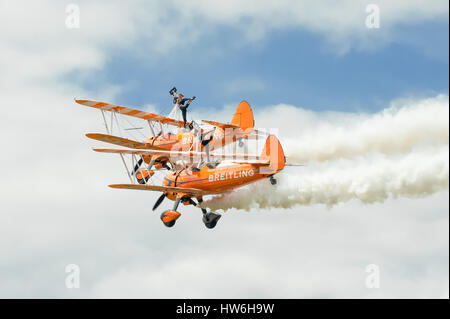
{"x": 209, "y": 219}
{"x": 169, "y": 217}
{"x": 273, "y": 181}
{"x": 241, "y": 144}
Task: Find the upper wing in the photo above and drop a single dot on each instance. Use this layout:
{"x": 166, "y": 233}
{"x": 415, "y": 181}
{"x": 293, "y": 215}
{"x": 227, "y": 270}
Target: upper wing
{"x": 131, "y": 112}
{"x": 256, "y": 162}
{"x": 157, "y": 188}
{"x": 116, "y": 140}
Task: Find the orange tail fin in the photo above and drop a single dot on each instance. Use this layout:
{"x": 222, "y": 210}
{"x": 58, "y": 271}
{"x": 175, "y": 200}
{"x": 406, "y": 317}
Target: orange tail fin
{"x": 274, "y": 153}
{"x": 243, "y": 116}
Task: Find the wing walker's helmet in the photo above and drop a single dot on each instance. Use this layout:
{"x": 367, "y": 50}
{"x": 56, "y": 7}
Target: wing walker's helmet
{"x": 178, "y": 98}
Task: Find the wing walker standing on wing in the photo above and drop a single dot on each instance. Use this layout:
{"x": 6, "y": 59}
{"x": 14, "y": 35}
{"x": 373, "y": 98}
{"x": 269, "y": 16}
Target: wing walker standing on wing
{"x": 181, "y": 102}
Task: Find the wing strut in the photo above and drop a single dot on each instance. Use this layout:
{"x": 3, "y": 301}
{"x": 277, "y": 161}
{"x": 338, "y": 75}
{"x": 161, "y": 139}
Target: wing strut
{"x": 151, "y": 128}
{"x": 121, "y": 155}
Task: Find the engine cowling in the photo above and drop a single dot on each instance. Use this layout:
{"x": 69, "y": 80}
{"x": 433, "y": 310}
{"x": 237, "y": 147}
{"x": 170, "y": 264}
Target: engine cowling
{"x": 170, "y": 216}
{"x": 144, "y": 175}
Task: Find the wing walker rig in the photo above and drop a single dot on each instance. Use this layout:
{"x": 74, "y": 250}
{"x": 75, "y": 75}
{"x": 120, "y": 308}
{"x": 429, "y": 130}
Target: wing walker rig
{"x": 192, "y": 155}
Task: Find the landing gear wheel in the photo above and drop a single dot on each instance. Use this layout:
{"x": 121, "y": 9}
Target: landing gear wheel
{"x": 169, "y": 224}
{"x": 169, "y": 218}
{"x": 273, "y": 181}
{"x": 241, "y": 144}
{"x": 210, "y": 220}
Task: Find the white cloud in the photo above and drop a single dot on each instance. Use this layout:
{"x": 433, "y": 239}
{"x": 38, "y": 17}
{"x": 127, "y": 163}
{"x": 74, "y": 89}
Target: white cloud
{"x": 399, "y": 151}
{"x": 56, "y": 210}
{"x": 300, "y": 253}
{"x": 35, "y": 33}
{"x": 400, "y": 128}
{"x": 341, "y": 23}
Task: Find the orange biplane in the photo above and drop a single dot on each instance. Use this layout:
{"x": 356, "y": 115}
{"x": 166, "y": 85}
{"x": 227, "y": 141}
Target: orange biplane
{"x": 240, "y": 128}
{"x": 183, "y": 185}
{"x": 190, "y": 179}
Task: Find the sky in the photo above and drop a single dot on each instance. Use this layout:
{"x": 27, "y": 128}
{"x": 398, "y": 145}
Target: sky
{"x": 344, "y": 98}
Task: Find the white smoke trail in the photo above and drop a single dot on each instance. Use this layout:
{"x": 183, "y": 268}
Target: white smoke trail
{"x": 369, "y": 179}
{"x": 398, "y": 129}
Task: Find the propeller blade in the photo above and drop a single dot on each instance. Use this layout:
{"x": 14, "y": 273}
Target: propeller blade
{"x": 138, "y": 164}
{"x": 159, "y": 201}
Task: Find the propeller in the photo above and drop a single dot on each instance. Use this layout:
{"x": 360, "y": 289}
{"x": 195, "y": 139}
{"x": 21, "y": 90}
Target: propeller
{"x": 159, "y": 201}
{"x": 138, "y": 164}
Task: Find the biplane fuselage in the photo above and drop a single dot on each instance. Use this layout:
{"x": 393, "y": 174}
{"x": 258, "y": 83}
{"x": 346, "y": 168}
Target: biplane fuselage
{"x": 220, "y": 179}
{"x": 183, "y": 185}
{"x": 187, "y": 183}
{"x": 185, "y": 141}
{"x": 225, "y": 178}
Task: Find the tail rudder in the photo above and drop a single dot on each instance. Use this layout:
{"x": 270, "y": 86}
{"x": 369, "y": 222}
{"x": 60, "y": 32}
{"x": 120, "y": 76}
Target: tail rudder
{"x": 273, "y": 151}
{"x": 243, "y": 116}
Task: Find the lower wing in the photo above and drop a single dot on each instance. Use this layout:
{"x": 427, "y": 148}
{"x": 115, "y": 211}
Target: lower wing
{"x": 157, "y": 188}
{"x": 174, "y": 155}
{"x": 116, "y": 140}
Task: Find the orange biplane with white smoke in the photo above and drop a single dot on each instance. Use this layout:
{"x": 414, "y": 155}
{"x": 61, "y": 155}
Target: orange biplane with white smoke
{"x": 190, "y": 177}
